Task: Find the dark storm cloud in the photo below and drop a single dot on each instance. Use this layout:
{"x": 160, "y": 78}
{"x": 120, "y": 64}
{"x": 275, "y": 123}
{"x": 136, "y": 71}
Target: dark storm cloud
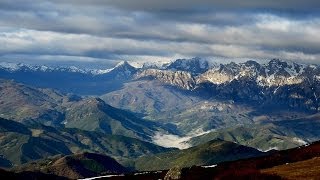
{"x": 191, "y": 5}
{"x": 147, "y": 29}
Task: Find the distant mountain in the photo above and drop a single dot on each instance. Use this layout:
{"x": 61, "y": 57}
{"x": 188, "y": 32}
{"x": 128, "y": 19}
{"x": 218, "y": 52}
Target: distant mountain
{"x": 225, "y": 95}
{"x": 179, "y": 79}
{"x": 69, "y": 79}
{"x": 194, "y": 66}
{"x": 151, "y": 99}
{"x": 209, "y": 153}
{"x": 122, "y": 71}
{"x": 290, "y": 84}
{"x": 188, "y": 110}
{"x": 187, "y": 97}
{"x": 75, "y": 166}
{"x": 23, "y": 143}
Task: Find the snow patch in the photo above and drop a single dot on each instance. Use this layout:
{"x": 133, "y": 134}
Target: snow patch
{"x": 107, "y": 176}
{"x": 300, "y": 141}
{"x": 146, "y": 172}
{"x": 269, "y": 149}
{"x": 210, "y": 166}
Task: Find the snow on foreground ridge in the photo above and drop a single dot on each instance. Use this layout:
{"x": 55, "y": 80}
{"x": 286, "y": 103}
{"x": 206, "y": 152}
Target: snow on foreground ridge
{"x": 171, "y": 140}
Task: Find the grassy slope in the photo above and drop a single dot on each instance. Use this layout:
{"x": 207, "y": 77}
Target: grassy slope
{"x": 74, "y": 166}
{"x": 307, "y": 169}
{"x": 280, "y": 134}
{"x": 26, "y": 104}
{"x": 206, "y": 154}
{"x": 20, "y": 143}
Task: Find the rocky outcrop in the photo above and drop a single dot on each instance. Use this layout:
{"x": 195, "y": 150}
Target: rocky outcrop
{"x": 194, "y": 66}
{"x": 174, "y": 174}
{"x": 278, "y": 82}
{"x": 180, "y": 79}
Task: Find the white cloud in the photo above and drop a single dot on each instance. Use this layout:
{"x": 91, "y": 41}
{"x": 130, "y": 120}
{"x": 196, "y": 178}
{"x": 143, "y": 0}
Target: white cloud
{"x": 171, "y": 140}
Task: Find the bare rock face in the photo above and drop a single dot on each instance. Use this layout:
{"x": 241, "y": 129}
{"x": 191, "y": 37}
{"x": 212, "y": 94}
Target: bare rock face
{"x": 174, "y": 173}
{"x": 195, "y": 65}
{"x": 285, "y": 83}
{"x": 181, "y": 79}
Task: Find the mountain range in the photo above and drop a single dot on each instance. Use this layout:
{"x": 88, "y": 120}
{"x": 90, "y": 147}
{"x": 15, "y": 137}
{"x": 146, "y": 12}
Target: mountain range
{"x": 181, "y": 114}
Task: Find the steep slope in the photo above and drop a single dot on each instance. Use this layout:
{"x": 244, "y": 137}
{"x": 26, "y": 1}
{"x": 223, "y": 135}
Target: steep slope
{"x": 151, "y": 99}
{"x": 181, "y": 79}
{"x": 248, "y": 94}
{"x": 27, "y": 105}
{"x": 279, "y": 135}
{"x": 188, "y": 111}
{"x": 297, "y": 163}
{"x": 22, "y": 103}
{"x": 75, "y": 166}
{"x": 21, "y": 143}
{"x": 195, "y": 65}
{"x": 205, "y": 154}
{"x": 93, "y": 114}
{"x": 307, "y": 169}
{"x": 289, "y": 84}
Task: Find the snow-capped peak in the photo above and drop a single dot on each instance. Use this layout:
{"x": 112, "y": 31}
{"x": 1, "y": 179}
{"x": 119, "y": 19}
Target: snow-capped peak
{"x": 12, "y": 67}
{"x": 9, "y": 66}
{"x": 194, "y": 65}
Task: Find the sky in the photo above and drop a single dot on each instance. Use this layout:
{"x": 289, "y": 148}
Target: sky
{"x": 106, "y": 31}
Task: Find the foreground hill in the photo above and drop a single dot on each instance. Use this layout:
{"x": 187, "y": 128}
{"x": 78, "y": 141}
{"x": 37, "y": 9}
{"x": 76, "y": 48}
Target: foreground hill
{"x": 297, "y": 163}
{"x": 75, "y": 166}
{"x": 20, "y": 143}
{"x": 306, "y": 169}
{"x": 206, "y": 154}
{"x": 301, "y": 162}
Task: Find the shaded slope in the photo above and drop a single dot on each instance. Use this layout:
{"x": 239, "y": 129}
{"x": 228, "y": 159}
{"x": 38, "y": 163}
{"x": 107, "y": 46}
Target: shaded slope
{"x": 27, "y": 105}
{"x": 296, "y": 163}
{"x": 150, "y": 98}
{"x": 188, "y": 111}
{"x": 21, "y": 103}
{"x": 75, "y": 166}
{"x": 71, "y": 80}
{"x": 307, "y": 169}
{"x": 95, "y": 115}
{"x": 268, "y": 135}
{"x": 209, "y": 153}
{"x": 4, "y": 174}
{"x": 25, "y": 143}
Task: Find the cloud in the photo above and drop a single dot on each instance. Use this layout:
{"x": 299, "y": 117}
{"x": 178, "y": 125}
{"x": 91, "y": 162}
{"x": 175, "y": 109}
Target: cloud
{"x": 165, "y": 29}
{"x": 191, "y": 5}
{"x": 171, "y": 140}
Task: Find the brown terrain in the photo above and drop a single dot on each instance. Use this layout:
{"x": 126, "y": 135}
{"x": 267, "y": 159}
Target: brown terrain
{"x": 308, "y": 169}
{"x": 298, "y": 163}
